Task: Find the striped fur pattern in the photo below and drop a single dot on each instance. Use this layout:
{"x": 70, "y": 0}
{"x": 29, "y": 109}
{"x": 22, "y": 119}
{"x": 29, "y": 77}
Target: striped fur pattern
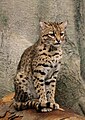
{"x": 35, "y": 80}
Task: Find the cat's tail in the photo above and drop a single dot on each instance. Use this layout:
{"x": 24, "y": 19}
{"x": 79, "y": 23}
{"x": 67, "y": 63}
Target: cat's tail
{"x": 34, "y": 103}
{"x": 26, "y": 105}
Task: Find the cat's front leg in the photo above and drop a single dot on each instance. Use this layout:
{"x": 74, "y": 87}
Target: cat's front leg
{"x": 39, "y": 84}
{"x": 50, "y": 92}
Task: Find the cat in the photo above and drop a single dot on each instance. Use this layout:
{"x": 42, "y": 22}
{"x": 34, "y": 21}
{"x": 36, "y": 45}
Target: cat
{"x": 35, "y": 80}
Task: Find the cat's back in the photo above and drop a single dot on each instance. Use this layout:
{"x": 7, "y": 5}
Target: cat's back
{"x": 26, "y": 58}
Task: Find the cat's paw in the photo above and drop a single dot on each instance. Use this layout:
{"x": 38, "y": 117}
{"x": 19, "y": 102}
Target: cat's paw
{"x": 56, "y": 106}
{"x": 46, "y": 110}
{"x": 43, "y": 107}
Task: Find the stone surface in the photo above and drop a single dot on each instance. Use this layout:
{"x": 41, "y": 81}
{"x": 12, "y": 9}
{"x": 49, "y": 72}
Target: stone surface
{"x": 19, "y": 28}
{"x": 7, "y": 112}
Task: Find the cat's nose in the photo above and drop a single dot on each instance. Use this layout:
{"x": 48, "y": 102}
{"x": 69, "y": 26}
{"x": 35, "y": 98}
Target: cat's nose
{"x": 58, "y": 41}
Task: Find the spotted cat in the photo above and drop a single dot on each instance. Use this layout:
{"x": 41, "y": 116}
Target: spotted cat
{"x": 35, "y": 80}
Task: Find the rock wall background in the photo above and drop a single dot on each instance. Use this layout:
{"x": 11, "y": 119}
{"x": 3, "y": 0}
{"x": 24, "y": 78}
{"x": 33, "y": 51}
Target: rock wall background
{"x": 19, "y": 28}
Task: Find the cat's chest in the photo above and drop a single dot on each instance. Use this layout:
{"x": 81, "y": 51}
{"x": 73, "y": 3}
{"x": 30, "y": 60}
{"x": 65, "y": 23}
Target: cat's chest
{"x": 55, "y": 58}
{"x": 51, "y": 59}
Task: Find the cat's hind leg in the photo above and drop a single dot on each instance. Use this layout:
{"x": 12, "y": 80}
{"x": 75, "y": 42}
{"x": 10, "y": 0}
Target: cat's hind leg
{"x": 22, "y": 92}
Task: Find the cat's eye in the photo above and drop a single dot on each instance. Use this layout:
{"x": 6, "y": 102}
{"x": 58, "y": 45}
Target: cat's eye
{"x": 51, "y": 33}
{"x": 61, "y": 34}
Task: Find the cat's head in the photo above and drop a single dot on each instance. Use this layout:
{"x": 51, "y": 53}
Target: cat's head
{"x": 53, "y": 33}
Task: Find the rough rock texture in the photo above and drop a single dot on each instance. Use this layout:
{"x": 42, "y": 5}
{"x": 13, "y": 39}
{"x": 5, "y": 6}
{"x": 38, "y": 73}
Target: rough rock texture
{"x": 19, "y": 28}
{"x": 7, "y": 112}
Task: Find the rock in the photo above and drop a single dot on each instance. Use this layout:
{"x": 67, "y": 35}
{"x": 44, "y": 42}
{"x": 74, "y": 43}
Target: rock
{"x": 19, "y": 28}
{"x": 7, "y": 112}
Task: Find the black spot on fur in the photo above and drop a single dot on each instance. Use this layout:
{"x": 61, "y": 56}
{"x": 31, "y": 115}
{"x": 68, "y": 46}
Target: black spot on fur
{"x": 21, "y": 76}
{"x": 19, "y": 83}
{"x": 40, "y": 50}
{"x": 42, "y": 84}
{"x": 48, "y": 92}
{"x": 38, "y": 91}
{"x": 48, "y": 104}
{"x": 47, "y": 83}
{"x": 39, "y": 71}
{"x": 53, "y": 86}
{"x": 43, "y": 64}
{"x": 41, "y": 80}
{"x": 23, "y": 80}
{"x": 56, "y": 54}
{"x": 44, "y": 54}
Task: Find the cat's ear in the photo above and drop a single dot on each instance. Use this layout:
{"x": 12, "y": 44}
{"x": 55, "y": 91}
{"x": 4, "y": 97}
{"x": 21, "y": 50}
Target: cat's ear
{"x": 43, "y": 25}
{"x": 63, "y": 25}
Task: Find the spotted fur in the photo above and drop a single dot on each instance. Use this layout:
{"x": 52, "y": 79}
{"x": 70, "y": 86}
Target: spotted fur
{"x": 35, "y": 80}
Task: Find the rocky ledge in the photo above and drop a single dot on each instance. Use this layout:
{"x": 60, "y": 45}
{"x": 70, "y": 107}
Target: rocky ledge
{"x": 7, "y": 112}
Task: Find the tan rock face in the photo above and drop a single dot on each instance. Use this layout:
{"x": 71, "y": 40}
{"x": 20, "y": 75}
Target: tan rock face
{"x": 7, "y": 112}
{"x": 19, "y": 28}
